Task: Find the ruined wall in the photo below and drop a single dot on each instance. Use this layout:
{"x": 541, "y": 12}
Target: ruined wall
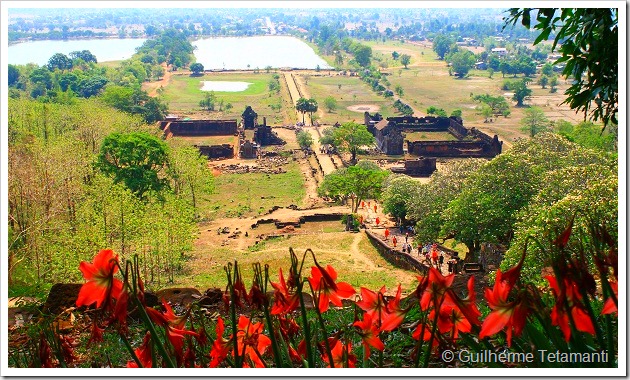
{"x": 464, "y": 149}
{"x": 216, "y": 151}
{"x": 200, "y": 128}
{"x": 395, "y": 257}
{"x": 421, "y": 167}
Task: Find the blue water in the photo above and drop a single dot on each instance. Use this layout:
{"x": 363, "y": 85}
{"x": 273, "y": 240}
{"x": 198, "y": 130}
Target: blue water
{"x": 230, "y": 53}
{"x": 39, "y": 52}
{"x": 257, "y": 52}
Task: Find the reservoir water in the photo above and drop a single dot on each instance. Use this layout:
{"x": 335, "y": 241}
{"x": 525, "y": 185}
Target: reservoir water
{"x": 240, "y": 53}
{"x": 231, "y": 53}
{"x": 39, "y": 52}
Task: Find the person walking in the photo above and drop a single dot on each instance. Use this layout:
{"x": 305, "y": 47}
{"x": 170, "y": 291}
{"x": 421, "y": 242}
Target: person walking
{"x": 441, "y": 260}
{"x": 386, "y": 234}
{"x": 394, "y": 241}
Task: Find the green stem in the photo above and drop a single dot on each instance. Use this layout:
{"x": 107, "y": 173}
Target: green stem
{"x": 131, "y": 351}
{"x": 272, "y": 336}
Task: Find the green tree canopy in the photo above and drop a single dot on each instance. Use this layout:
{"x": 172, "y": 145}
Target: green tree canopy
{"x": 350, "y": 137}
{"x": 359, "y": 182}
{"x": 521, "y": 91}
{"x": 405, "y": 59}
{"x": 588, "y": 44}
{"x": 196, "y": 68}
{"x": 330, "y": 103}
{"x": 135, "y": 159}
{"x": 534, "y": 121}
{"x": 397, "y": 191}
{"x": 304, "y": 139}
{"x": 462, "y": 62}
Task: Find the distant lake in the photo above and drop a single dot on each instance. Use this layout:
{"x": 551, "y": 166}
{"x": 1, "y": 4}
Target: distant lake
{"x": 231, "y": 53}
{"x": 257, "y": 52}
{"x": 39, "y": 52}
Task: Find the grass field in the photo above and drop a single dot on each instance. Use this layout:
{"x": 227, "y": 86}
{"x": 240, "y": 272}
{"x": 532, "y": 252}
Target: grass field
{"x": 430, "y": 136}
{"x": 183, "y": 95}
{"x": 352, "y": 255}
{"x": 352, "y": 92}
{"x": 209, "y": 140}
{"x": 252, "y": 194}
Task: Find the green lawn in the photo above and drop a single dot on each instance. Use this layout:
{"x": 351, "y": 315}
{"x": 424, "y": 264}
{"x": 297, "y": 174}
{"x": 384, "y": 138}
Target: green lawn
{"x": 352, "y": 92}
{"x": 252, "y": 194}
{"x": 184, "y": 93}
{"x": 430, "y": 136}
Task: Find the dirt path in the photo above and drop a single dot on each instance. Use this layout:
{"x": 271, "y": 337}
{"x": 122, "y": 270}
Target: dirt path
{"x": 152, "y": 87}
{"x": 324, "y": 159}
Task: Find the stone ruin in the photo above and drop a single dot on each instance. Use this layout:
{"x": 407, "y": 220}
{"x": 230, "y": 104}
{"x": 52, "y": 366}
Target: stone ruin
{"x": 264, "y": 135}
{"x": 470, "y": 142}
{"x": 250, "y": 118}
{"x": 249, "y": 149}
{"x": 420, "y": 167}
{"x": 199, "y": 128}
{"x": 204, "y": 128}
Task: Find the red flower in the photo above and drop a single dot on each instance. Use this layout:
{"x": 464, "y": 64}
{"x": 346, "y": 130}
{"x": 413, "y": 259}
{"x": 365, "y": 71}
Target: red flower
{"x": 220, "y": 347}
{"x": 568, "y": 300}
{"x": 101, "y": 284}
{"x": 323, "y": 282}
{"x": 67, "y": 348}
{"x": 451, "y": 319}
{"x": 610, "y": 306}
{"x": 44, "y": 352}
{"x": 395, "y": 315}
{"x": 251, "y": 342}
{"x": 340, "y": 354}
{"x": 511, "y": 315}
{"x": 143, "y": 353}
{"x": 369, "y": 334}
{"x": 174, "y": 328}
{"x": 373, "y": 303}
{"x": 97, "y": 333}
{"x": 436, "y": 288}
{"x": 285, "y": 302}
{"x": 467, "y": 306}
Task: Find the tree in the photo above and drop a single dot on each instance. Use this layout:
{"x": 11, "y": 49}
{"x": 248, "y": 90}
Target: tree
{"x": 427, "y": 204}
{"x": 13, "y": 75}
{"x": 442, "y": 45}
{"x": 543, "y": 81}
{"x": 456, "y": 113}
{"x": 362, "y": 54}
{"x": 553, "y": 84}
{"x": 582, "y": 32}
{"x": 358, "y": 182}
{"x": 350, "y": 137}
{"x": 488, "y": 207}
{"x": 302, "y": 107}
{"x": 304, "y": 139}
{"x": 521, "y": 91}
{"x": 486, "y": 111}
{"x": 395, "y": 55}
{"x": 91, "y": 86}
{"x": 397, "y": 191}
{"x": 208, "y": 102}
{"x": 405, "y": 59}
{"x": 534, "y": 121}
{"x": 330, "y": 103}
{"x": 84, "y": 55}
{"x": 196, "y": 68}
{"x": 547, "y": 69}
{"x": 188, "y": 171}
{"x": 311, "y": 107}
{"x": 399, "y": 90}
{"x": 59, "y": 61}
{"x": 135, "y": 159}
{"x": 462, "y": 62}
